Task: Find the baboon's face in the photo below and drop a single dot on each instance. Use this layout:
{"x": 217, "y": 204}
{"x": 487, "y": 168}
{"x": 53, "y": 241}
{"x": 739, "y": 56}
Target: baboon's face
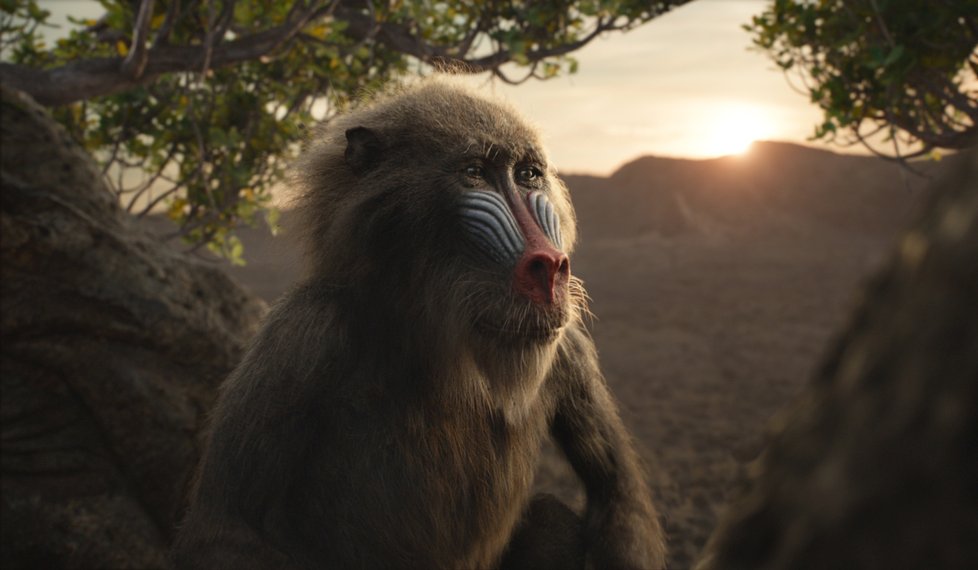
{"x": 460, "y": 218}
{"x": 508, "y": 230}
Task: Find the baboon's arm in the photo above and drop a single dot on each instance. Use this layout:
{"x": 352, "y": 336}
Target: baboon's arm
{"x": 621, "y": 526}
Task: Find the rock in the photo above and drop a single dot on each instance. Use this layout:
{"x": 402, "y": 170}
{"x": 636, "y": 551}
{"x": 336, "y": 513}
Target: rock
{"x": 113, "y": 346}
{"x": 876, "y": 467}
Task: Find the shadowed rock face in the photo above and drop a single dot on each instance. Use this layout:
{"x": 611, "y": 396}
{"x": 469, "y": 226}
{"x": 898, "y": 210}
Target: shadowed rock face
{"x": 876, "y": 466}
{"x": 112, "y": 349}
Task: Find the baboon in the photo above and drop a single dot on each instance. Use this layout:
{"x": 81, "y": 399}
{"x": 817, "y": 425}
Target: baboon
{"x": 390, "y": 412}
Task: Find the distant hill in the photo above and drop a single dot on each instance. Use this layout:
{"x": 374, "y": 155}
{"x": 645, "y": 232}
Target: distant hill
{"x": 773, "y": 185}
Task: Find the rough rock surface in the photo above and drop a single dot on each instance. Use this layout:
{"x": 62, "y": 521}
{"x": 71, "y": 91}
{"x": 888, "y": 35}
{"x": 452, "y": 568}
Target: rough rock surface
{"x": 876, "y": 466}
{"x": 112, "y": 349}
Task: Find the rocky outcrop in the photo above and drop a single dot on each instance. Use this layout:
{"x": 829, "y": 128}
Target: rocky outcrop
{"x": 112, "y": 349}
{"x": 876, "y": 467}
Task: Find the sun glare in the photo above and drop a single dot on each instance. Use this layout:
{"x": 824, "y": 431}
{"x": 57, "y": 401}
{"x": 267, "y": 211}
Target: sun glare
{"x": 732, "y": 129}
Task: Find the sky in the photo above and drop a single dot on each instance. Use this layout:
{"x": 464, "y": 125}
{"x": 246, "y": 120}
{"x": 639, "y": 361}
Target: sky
{"x": 684, "y": 85}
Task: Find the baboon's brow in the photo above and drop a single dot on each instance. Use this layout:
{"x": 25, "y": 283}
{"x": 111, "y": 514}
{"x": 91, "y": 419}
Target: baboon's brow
{"x": 494, "y": 151}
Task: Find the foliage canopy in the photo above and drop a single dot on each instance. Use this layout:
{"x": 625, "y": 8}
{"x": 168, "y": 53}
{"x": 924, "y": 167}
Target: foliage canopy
{"x": 903, "y": 68}
{"x": 208, "y": 98}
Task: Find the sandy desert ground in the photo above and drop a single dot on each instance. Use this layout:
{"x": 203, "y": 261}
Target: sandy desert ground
{"x": 716, "y": 285}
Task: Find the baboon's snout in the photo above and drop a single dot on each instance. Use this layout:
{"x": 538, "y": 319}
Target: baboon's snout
{"x": 541, "y": 273}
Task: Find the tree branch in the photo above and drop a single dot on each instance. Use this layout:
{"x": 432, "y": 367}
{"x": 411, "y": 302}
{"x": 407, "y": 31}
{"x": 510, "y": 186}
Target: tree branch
{"x": 135, "y": 61}
{"x": 399, "y": 38}
{"x": 95, "y": 77}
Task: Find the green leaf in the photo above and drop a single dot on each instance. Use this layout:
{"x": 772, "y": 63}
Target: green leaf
{"x": 893, "y": 56}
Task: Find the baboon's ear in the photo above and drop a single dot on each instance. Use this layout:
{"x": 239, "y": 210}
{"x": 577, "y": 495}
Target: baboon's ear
{"x": 363, "y": 149}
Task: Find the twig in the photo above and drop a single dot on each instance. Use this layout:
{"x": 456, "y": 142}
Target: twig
{"x": 135, "y": 62}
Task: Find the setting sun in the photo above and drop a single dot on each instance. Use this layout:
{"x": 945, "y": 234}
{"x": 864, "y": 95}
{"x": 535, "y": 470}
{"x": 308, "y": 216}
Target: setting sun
{"x": 730, "y": 129}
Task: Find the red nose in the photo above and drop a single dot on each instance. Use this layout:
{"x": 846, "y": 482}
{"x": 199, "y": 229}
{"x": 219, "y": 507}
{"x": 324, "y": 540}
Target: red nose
{"x": 539, "y": 272}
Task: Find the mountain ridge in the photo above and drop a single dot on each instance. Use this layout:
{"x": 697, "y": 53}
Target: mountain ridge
{"x": 773, "y": 187}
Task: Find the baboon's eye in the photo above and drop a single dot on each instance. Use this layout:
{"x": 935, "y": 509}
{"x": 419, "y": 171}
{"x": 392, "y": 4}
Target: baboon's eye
{"x": 527, "y": 174}
{"x": 475, "y": 171}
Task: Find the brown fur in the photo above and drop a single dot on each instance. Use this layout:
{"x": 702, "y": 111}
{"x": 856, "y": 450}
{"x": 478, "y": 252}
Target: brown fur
{"x": 391, "y": 411}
